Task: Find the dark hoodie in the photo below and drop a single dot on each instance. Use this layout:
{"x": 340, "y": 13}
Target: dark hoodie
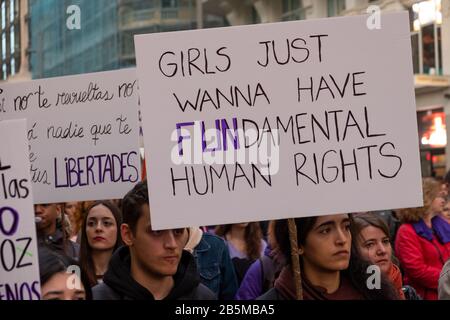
{"x": 118, "y": 284}
{"x": 284, "y": 289}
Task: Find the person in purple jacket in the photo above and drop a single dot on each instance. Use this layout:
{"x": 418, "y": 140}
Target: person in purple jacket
{"x": 262, "y": 273}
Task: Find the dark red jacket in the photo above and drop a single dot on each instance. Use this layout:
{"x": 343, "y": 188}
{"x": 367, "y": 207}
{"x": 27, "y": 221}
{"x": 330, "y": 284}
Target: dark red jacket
{"x": 422, "y": 257}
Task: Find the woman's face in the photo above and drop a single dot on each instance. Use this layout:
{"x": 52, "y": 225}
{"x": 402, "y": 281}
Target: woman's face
{"x": 63, "y": 286}
{"x": 101, "y": 228}
{"x": 437, "y": 206}
{"x": 328, "y": 244}
{"x": 446, "y": 211}
{"x": 375, "y": 246}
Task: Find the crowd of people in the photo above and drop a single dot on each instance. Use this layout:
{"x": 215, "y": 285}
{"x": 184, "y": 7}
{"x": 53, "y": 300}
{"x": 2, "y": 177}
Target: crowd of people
{"x": 120, "y": 256}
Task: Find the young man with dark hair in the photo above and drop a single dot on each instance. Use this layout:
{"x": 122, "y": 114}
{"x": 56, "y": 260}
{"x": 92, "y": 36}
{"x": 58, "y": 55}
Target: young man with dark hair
{"x": 152, "y": 265}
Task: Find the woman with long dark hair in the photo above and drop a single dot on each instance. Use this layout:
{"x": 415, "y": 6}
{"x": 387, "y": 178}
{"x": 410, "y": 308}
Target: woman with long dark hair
{"x": 331, "y": 266}
{"x": 373, "y": 242}
{"x": 100, "y": 237}
{"x": 245, "y": 244}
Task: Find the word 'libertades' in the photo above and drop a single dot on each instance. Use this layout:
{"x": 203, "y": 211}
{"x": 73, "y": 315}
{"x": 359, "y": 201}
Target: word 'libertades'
{"x": 96, "y": 169}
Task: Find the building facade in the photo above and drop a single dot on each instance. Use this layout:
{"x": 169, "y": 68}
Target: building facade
{"x": 430, "y": 43}
{"x": 14, "y": 40}
{"x": 104, "y": 41}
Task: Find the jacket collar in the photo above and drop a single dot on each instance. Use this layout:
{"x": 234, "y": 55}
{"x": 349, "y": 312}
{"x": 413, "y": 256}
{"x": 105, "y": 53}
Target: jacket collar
{"x": 202, "y": 246}
{"x": 441, "y": 228}
{"x": 422, "y": 230}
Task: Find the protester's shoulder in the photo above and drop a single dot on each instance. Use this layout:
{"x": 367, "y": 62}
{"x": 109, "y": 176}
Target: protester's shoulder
{"x": 446, "y": 270}
{"x": 212, "y": 239}
{"x": 75, "y": 246}
{"x": 104, "y": 292}
{"x": 255, "y": 267}
{"x": 406, "y": 228}
{"x": 444, "y": 282}
{"x": 202, "y": 292}
{"x": 272, "y": 294}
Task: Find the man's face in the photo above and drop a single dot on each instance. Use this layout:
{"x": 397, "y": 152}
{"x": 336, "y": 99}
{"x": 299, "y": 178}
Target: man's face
{"x": 155, "y": 252}
{"x": 48, "y": 213}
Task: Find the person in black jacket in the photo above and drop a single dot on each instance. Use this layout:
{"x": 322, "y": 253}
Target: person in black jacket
{"x": 50, "y": 230}
{"x": 152, "y": 265}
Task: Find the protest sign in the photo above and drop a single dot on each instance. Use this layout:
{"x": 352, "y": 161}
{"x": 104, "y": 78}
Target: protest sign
{"x": 83, "y": 134}
{"x": 279, "y": 120}
{"x": 19, "y": 268}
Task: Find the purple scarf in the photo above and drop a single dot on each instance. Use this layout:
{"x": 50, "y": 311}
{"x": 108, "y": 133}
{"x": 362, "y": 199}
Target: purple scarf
{"x": 440, "y": 228}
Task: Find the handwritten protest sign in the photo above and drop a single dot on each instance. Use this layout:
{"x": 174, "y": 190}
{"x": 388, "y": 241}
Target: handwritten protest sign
{"x": 279, "y": 120}
{"x": 83, "y": 134}
{"x": 19, "y": 268}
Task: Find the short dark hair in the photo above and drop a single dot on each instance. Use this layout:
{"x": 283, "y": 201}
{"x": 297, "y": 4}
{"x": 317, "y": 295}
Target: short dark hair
{"x": 132, "y": 204}
{"x": 51, "y": 263}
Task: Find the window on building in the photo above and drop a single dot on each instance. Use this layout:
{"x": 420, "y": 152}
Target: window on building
{"x": 4, "y": 75}
{"x": 169, "y": 9}
{"x": 3, "y": 15}
{"x": 13, "y": 66}
{"x": 169, "y": 3}
{"x": 292, "y": 10}
{"x": 11, "y": 10}
{"x": 289, "y": 5}
{"x": 3, "y": 46}
{"x": 12, "y": 39}
{"x": 426, "y": 20}
{"x": 255, "y": 16}
{"x": 335, "y": 7}
{"x": 433, "y": 139}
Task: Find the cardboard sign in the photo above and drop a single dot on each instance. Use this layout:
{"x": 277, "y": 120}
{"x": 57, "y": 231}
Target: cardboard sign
{"x": 279, "y": 120}
{"x": 19, "y": 267}
{"x": 83, "y": 134}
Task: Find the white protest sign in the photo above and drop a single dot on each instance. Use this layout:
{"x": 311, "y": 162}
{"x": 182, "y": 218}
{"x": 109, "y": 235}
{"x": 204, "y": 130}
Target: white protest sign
{"x": 279, "y": 120}
{"x": 83, "y": 134}
{"x": 19, "y": 267}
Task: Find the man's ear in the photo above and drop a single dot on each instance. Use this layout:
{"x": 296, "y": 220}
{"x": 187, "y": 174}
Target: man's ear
{"x": 301, "y": 250}
{"x": 127, "y": 234}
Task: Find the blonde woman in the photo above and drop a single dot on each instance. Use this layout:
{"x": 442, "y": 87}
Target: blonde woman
{"x": 419, "y": 248}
